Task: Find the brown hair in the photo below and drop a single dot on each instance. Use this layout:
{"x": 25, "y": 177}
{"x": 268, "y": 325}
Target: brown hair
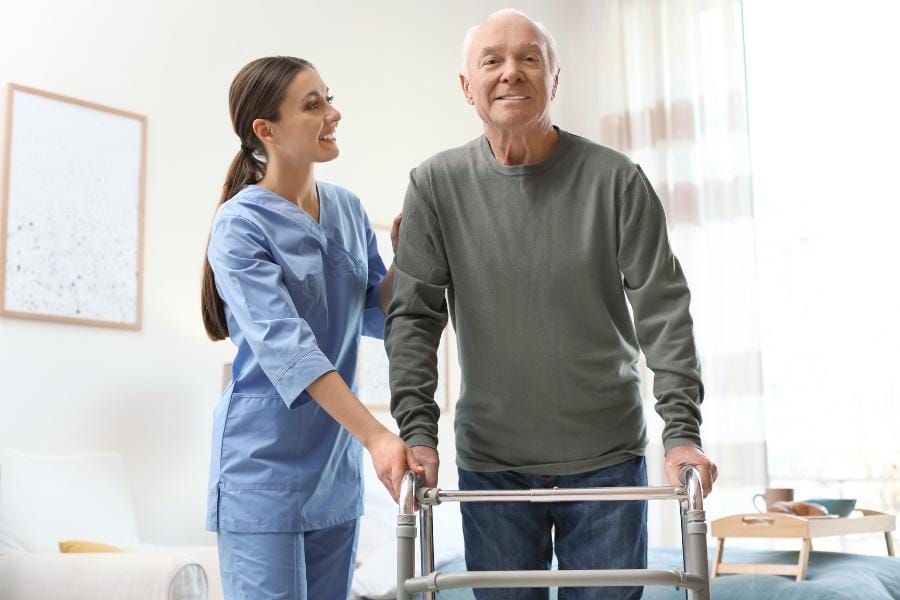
{"x": 256, "y": 93}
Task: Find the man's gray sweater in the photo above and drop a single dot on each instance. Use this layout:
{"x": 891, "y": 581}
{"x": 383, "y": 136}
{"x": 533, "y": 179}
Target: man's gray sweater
{"x": 539, "y": 264}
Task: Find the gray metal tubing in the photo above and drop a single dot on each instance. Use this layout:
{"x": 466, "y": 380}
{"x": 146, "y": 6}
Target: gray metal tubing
{"x": 578, "y": 578}
{"x": 695, "y": 579}
{"x": 696, "y": 561}
{"x": 693, "y": 532}
{"x": 556, "y": 495}
{"x": 406, "y": 536}
{"x": 407, "y": 500}
{"x": 426, "y": 543}
{"x": 693, "y": 488}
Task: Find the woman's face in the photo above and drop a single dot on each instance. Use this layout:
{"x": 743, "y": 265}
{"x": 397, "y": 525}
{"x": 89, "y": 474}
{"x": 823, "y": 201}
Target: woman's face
{"x": 306, "y": 128}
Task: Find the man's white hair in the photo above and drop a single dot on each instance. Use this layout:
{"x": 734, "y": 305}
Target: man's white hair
{"x": 543, "y": 32}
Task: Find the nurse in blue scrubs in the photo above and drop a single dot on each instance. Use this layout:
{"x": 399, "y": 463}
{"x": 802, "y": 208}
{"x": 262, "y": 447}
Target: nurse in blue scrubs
{"x": 294, "y": 278}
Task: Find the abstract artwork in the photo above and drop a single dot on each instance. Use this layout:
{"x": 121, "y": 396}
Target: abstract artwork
{"x": 71, "y": 241}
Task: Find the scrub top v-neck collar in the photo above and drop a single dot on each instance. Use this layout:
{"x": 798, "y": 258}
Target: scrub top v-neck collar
{"x": 320, "y": 224}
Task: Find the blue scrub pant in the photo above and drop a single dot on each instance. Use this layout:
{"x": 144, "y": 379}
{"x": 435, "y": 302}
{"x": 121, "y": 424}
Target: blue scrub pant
{"x": 316, "y": 565}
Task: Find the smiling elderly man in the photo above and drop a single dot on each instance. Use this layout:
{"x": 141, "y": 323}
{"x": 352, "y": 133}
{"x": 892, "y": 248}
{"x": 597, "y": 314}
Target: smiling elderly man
{"x": 541, "y": 239}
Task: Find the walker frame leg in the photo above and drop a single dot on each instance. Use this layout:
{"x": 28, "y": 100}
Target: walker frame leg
{"x": 406, "y": 537}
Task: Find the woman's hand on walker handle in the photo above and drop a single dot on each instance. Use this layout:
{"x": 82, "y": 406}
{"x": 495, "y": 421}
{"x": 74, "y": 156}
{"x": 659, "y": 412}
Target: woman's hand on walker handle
{"x": 682, "y": 456}
{"x": 392, "y": 459}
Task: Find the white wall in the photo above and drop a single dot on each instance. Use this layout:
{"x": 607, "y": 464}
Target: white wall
{"x": 149, "y": 394}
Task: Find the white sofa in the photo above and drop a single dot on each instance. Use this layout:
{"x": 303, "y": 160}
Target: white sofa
{"x": 48, "y": 499}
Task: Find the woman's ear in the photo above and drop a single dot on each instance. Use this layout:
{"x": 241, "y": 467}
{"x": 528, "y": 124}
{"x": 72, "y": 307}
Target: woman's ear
{"x": 264, "y": 130}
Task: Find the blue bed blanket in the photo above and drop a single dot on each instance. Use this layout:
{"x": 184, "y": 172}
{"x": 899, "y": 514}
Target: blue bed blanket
{"x": 831, "y": 576}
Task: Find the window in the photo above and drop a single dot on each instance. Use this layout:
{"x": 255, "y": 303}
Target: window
{"x": 824, "y": 134}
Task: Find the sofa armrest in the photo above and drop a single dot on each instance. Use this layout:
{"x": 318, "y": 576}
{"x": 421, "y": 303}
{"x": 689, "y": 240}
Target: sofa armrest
{"x": 125, "y": 576}
{"x": 207, "y": 556}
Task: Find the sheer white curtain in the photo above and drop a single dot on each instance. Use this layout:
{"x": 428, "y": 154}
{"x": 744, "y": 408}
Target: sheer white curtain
{"x": 824, "y": 147}
{"x": 672, "y": 97}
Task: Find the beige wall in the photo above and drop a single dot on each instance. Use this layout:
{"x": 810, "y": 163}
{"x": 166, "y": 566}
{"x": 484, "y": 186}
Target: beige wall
{"x": 149, "y": 394}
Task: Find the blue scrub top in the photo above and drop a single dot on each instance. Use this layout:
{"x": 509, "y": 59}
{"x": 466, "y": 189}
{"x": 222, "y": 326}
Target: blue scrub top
{"x": 298, "y": 294}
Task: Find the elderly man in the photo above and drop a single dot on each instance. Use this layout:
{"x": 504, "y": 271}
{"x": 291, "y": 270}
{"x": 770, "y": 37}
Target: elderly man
{"x": 540, "y": 239}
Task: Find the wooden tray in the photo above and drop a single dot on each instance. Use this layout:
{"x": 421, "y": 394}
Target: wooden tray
{"x": 778, "y": 525}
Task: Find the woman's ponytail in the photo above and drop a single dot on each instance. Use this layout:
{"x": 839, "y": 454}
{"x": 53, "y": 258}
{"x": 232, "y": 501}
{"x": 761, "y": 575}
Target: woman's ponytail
{"x": 256, "y": 93}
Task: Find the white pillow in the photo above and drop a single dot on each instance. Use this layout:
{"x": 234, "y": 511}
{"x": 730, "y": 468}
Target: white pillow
{"x": 46, "y": 499}
{"x": 376, "y": 555}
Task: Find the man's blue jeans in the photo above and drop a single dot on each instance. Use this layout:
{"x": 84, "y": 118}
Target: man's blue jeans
{"x": 506, "y": 536}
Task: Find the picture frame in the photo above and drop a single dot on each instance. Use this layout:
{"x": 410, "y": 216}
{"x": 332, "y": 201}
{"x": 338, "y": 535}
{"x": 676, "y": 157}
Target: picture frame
{"x": 72, "y": 215}
{"x": 372, "y": 380}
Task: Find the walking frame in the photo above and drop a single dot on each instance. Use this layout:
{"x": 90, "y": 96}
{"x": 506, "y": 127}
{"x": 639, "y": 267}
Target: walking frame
{"x": 694, "y": 579}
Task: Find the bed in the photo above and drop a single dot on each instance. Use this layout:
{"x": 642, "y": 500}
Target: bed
{"x": 831, "y": 576}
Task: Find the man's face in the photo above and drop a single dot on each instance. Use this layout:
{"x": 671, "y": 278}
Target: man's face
{"x": 509, "y": 82}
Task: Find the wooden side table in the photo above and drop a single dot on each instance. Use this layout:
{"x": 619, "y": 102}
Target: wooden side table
{"x": 777, "y": 525}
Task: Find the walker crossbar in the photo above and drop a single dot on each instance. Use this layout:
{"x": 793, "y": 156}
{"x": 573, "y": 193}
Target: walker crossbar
{"x": 584, "y": 578}
{"x": 694, "y": 580}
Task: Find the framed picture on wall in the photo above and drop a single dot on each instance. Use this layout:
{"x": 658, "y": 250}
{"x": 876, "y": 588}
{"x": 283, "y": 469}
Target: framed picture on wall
{"x": 372, "y": 369}
{"x": 71, "y": 235}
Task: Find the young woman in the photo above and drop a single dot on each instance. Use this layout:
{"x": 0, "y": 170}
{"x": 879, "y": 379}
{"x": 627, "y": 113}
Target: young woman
{"x": 294, "y": 278}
